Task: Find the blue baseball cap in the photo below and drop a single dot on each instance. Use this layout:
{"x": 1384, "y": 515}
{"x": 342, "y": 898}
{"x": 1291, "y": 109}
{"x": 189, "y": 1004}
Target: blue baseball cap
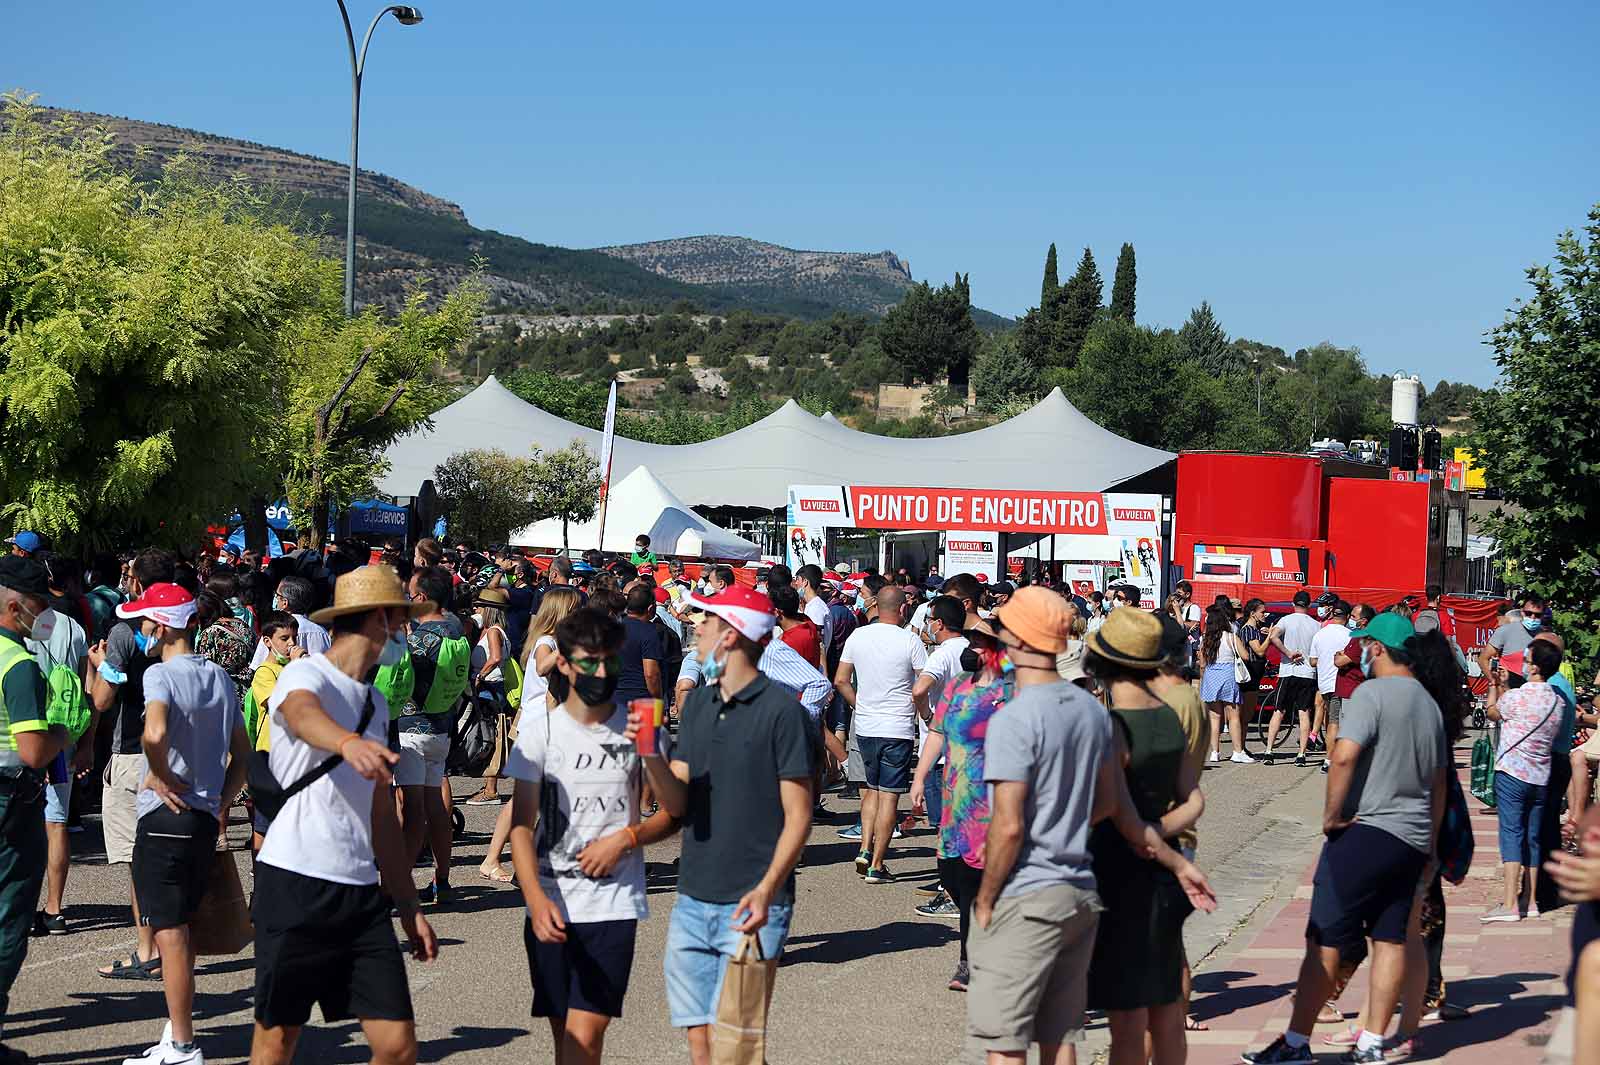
{"x": 26, "y": 541}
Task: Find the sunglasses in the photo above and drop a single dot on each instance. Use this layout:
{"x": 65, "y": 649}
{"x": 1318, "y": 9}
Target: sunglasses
{"x": 590, "y": 665}
{"x": 1533, "y": 613}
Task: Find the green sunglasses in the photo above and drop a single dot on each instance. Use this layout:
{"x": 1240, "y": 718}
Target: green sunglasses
{"x": 590, "y": 666}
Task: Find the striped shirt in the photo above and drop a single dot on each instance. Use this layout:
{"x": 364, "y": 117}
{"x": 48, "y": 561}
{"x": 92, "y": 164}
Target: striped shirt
{"x": 784, "y": 665}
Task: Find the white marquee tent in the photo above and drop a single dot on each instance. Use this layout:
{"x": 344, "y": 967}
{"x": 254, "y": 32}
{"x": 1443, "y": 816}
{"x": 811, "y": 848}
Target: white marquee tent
{"x": 1049, "y": 447}
{"x": 641, "y": 504}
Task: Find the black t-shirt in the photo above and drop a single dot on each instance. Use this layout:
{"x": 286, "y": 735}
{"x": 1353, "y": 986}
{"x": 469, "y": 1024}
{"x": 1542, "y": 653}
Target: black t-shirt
{"x": 737, "y": 752}
{"x": 123, "y": 654}
{"x": 640, "y": 643}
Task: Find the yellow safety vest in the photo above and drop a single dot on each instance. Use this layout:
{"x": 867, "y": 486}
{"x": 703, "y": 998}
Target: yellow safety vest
{"x": 12, "y": 654}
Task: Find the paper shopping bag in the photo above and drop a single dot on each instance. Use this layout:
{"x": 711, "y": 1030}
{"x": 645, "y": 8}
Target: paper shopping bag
{"x": 740, "y": 1035}
{"x": 222, "y": 923}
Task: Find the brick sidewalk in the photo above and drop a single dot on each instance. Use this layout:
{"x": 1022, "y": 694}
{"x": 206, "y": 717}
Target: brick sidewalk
{"x": 1509, "y": 975}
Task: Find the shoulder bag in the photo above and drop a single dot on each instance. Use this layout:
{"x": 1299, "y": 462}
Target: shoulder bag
{"x": 1485, "y": 759}
{"x": 269, "y": 796}
{"x": 1241, "y": 668}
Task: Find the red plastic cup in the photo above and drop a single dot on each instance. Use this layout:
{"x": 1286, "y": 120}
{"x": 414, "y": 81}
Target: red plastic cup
{"x": 648, "y": 715}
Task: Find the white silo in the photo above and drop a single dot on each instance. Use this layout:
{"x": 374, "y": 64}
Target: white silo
{"x": 1405, "y": 397}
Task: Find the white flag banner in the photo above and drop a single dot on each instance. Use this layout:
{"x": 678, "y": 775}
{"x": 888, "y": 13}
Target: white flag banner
{"x": 606, "y": 441}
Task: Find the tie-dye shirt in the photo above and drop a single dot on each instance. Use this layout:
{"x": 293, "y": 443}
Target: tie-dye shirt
{"x": 962, "y": 717}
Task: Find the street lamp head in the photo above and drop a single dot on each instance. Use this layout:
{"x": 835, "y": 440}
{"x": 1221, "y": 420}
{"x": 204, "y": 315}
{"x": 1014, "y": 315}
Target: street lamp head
{"x": 407, "y": 16}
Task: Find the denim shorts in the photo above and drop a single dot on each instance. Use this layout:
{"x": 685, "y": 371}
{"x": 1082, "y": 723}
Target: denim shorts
{"x": 888, "y": 763}
{"x": 700, "y": 940}
{"x": 58, "y": 787}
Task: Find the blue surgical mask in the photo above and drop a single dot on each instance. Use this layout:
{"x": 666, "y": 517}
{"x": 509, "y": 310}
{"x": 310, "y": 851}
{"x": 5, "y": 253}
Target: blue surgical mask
{"x": 710, "y": 668}
{"x": 1366, "y": 659}
{"x": 1533, "y": 624}
{"x": 394, "y": 649}
{"x": 142, "y": 642}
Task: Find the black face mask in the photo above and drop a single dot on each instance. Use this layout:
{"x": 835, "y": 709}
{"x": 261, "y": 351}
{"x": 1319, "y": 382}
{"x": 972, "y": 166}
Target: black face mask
{"x": 595, "y": 691}
{"x": 971, "y": 661}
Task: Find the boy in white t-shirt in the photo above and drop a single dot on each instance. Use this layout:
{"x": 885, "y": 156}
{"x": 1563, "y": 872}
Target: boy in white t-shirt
{"x": 576, "y": 840}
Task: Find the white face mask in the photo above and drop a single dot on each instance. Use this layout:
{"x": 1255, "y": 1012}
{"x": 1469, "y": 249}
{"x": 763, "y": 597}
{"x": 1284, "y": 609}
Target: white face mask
{"x": 44, "y": 625}
{"x": 394, "y": 649}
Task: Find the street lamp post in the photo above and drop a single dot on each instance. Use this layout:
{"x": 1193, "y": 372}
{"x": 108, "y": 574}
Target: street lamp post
{"x": 406, "y": 16}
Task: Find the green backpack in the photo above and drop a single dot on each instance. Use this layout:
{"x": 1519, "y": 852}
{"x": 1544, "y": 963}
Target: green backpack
{"x": 252, "y": 715}
{"x": 397, "y": 683}
{"x": 68, "y": 705}
{"x": 512, "y": 671}
{"x": 1482, "y": 783}
{"x": 449, "y": 676}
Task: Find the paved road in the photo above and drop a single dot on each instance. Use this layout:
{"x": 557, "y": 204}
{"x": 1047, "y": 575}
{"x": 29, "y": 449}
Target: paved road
{"x": 863, "y": 979}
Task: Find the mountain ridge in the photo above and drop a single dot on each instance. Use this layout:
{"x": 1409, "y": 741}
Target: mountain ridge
{"x": 405, "y": 235}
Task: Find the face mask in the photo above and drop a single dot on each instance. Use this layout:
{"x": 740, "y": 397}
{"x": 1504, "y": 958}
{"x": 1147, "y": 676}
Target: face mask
{"x": 1366, "y": 659}
{"x": 44, "y": 625}
{"x": 1531, "y": 624}
{"x": 146, "y": 644}
{"x": 477, "y": 616}
{"x": 595, "y": 691}
{"x": 971, "y": 661}
{"x": 710, "y": 668}
{"x": 1322, "y": 611}
{"x": 394, "y": 649}
{"x": 282, "y": 660}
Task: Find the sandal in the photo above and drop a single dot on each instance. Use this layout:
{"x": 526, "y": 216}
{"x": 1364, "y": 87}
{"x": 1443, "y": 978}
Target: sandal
{"x": 1346, "y": 1038}
{"x": 1330, "y": 1014}
{"x": 133, "y": 969}
{"x": 1194, "y": 1024}
{"x": 497, "y": 873}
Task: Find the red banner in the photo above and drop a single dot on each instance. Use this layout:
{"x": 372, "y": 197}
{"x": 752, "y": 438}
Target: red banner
{"x": 976, "y": 509}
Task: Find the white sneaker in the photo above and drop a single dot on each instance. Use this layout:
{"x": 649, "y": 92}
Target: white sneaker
{"x": 1242, "y": 758}
{"x": 1213, "y": 757}
{"x": 163, "y": 1053}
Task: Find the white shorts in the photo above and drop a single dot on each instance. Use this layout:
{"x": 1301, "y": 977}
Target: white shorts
{"x": 422, "y": 756}
{"x": 119, "y": 805}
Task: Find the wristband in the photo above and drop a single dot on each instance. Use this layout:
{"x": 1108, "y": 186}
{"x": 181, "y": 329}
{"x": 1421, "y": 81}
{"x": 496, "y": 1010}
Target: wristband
{"x": 339, "y": 750}
{"x": 633, "y": 837}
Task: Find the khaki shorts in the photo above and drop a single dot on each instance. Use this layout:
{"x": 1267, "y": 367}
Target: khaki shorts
{"x": 1334, "y": 704}
{"x": 119, "y": 805}
{"x": 1030, "y": 969}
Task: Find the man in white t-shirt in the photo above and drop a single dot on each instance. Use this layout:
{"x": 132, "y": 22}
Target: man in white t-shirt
{"x": 877, "y": 677}
{"x": 1297, "y": 677}
{"x": 581, "y": 864}
{"x": 808, "y": 582}
{"x": 322, "y": 926}
{"x": 1329, "y": 641}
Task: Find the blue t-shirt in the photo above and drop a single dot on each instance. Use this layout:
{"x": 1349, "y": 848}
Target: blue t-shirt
{"x": 202, "y": 712}
{"x": 1562, "y": 742}
{"x": 642, "y": 642}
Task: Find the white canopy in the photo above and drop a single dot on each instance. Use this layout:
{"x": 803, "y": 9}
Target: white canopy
{"x": 1052, "y": 447}
{"x": 642, "y": 504}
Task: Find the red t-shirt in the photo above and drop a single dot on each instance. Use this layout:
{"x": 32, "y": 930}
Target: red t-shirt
{"x": 805, "y": 639}
{"x": 1349, "y": 677}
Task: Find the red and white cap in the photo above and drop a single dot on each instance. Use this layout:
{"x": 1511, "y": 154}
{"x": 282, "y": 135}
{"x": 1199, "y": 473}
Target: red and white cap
{"x": 747, "y": 610}
{"x": 165, "y": 604}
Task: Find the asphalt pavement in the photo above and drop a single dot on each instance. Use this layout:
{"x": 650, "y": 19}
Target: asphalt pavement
{"x": 863, "y": 978}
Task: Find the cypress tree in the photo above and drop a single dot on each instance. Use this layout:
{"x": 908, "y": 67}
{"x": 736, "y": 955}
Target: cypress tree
{"x": 1052, "y": 280}
{"x": 1124, "y": 284}
{"x": 1079, "y": 304}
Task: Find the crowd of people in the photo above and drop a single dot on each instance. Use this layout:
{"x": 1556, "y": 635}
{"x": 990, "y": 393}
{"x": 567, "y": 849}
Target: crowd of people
{"x": 1054, "y": 742}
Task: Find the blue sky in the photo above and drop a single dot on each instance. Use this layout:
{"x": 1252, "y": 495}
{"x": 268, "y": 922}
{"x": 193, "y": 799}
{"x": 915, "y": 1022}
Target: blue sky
{"x": 1371, "y": 174}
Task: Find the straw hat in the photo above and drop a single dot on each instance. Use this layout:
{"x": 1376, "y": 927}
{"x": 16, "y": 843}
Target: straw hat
{"x": 368, "y": 588}
{"x": 1130, "y": 637}
{"x": 494, "y": 597}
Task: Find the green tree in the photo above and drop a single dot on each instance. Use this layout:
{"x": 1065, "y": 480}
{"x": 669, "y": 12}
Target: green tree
{"x": 1123, "y": 285}
{"x": 1052, "y": 279}
{"x": 566, "y": 485}
{"x": 486, "y": 494}
{"x": 1203, "y": 342}
{"x": 1327, "y": 395}
{"x": 931, "y": 333}
{"x": 944, "y": 404}
{"x": 1078, "y": 306}
{"x": 1538, "y": 437}
{"x": 571, "y": 398}
{"x": 1002, "y": 375}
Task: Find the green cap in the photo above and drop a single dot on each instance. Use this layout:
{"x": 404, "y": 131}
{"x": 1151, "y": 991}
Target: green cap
{"x": 1388, "y": 628}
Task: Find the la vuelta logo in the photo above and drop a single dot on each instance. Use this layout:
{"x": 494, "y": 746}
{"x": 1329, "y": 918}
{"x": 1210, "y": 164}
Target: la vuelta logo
{"x": 820, "y": 506}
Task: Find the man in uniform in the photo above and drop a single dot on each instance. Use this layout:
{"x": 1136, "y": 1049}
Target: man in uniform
{"x": 28, "y": 741}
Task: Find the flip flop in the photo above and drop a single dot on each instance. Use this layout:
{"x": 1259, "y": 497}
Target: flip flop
{"x": 1330, "y": 1014}
{"x": 1190, "y": 1024}
{"x": 134, "y": 969}
{"x": 499, "y": 876}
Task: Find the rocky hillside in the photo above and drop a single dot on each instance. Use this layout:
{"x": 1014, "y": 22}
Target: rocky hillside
{"x": 405, "y": 234}
{"x": 865, "y": 282}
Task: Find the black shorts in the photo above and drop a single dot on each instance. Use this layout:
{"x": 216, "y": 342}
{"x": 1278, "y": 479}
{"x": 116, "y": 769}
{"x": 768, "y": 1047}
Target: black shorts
{"x": 1297, "y": 694}
{"x": 1365, "y": 882}
{"x": 328, "y": 944}
{"x": 887, "y": 763}
{"x": 172, "y": 856}
{"x": 588, "y": 972}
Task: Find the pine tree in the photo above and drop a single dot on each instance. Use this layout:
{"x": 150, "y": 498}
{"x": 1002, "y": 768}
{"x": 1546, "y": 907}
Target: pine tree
{"x": 1052, "y": 280}
{"x": 1124, "y": 284}
{"x": 1078, "y": 306}
{"x": 1203, "y": 342}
